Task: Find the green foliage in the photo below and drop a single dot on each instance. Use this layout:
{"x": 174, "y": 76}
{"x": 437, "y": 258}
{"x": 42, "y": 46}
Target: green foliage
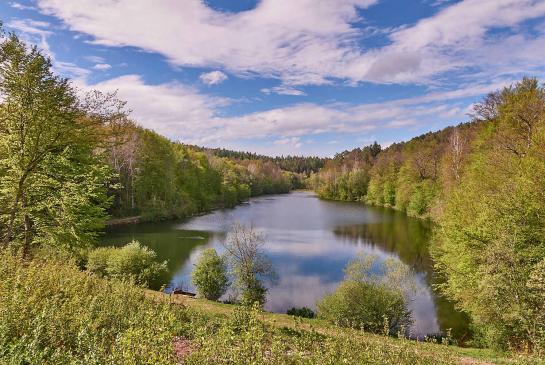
{"x": 245, "y": 339}
{"x": 210, "y": 275}
{"x": 373, "y": 297}
{"x": 303, "y": 312}
{"x": 365, "y": 306}
{"x": 131, "y": 262}
{"x": 346, "y": 177}
{"x": 422, "y": 198}
{"x": 296, "y": 164}
{"x": 53, "y": 182}
{"x": 51, "y": 313}
{"x": 160, "y": 179}
{"x": 248, "y": 264}
{"x": 491, "y": 242}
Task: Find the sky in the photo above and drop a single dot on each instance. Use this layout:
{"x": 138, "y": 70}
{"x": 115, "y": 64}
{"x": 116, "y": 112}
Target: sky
{"x": 278, "y": 77}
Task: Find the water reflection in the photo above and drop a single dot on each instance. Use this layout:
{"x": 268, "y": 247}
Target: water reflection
{"x": 309, "y": 241}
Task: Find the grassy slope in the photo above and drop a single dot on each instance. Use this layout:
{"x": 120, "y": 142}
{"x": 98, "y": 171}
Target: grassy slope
{"x": 52, "y": 313}
{"x": 462, "y": 355}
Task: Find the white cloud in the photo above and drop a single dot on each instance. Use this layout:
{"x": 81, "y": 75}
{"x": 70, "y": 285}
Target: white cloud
{"x": 273, "y": 40}
{"x": 102, "y": 66}
{"x": 283, "y": 90}
{"x": 182, "y": 112}
{"x": 31, "y": 27}
{"x": 452, "y": 39}
{"x": 20, "y": 6}
{"x": 294, "y": 142}
{"x": 213, "y": 77}
{"x": 95, "y": 59}
{"x": 172, "y": 109}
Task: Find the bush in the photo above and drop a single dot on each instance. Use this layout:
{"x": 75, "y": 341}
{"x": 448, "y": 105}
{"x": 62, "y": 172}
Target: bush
{"x": 365, "y": 306}
{"x": 131, "y": 262}
{"x": 303, "y": 312}
{"x": 210, "y": 275}
{"x": 52, "y": 313}
{"x": 373, "y": 296}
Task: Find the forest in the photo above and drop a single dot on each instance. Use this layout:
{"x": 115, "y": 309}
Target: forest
{"x": 70, "y": 162}
{"x": 156, "y": 178}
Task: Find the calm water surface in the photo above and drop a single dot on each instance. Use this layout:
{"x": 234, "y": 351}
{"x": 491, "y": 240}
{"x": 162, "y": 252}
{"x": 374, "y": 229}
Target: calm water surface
{"x": 309, "y": 241}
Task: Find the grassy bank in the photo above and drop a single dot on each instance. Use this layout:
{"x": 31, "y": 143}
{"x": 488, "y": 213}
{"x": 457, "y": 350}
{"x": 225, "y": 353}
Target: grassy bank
{"x": 52, "y": 313}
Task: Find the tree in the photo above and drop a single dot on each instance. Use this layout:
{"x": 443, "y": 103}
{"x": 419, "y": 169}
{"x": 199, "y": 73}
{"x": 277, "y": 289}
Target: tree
{"x": 491, "y": 241}
{"x": 249, "y": 265}
{"x": 210, "y": 275}
{"x": 53, "y": 178}
{"x": 373, "y": 297}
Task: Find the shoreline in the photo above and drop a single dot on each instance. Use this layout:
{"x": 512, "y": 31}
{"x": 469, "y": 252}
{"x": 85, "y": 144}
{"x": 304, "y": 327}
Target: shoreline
{"x": 137, "y": 219}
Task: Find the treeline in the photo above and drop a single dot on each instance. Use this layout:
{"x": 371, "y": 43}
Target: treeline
{"x": 482, "y": 183}
{"x": 297, "y": 164}
{"x": 412, "y": 176}
{"x": 157, "y": 178}
{"x": 346, "y": 176}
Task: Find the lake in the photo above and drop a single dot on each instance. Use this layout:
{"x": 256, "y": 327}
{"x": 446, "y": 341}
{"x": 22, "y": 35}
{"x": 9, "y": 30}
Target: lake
{"x": 309, "y": 241}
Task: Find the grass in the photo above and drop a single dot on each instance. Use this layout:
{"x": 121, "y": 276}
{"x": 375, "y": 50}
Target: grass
{"x": 283, "y": 321}
{"x": 53, "y": 313}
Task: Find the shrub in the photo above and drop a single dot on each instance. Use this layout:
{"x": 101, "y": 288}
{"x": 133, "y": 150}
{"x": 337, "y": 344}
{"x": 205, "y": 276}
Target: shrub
{"x": 131, "y": 262}
{"x": 301, "y": 312}
{"x": 365, "y": 306}
{"x": 373, "y": 296}
{"x": 210, "y": 275}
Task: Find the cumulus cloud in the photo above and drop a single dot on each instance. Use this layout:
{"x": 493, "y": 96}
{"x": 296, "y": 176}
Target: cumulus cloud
{"x": 172, "y": 109}
{"x": 213, "y": 77}
{"x": 273, "y": 40}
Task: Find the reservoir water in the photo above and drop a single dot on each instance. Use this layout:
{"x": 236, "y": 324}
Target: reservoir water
{"x": 309, "y": 241}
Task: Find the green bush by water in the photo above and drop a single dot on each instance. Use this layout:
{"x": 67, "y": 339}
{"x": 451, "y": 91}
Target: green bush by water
{"x": 130, "y": 262}
{"x": 210, "y": 275}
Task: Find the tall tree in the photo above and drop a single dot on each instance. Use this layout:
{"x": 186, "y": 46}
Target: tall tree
{"x": 52, "y": 186}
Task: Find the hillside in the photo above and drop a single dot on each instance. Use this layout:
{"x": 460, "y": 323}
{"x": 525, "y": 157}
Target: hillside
{"x": 115, "y": 322}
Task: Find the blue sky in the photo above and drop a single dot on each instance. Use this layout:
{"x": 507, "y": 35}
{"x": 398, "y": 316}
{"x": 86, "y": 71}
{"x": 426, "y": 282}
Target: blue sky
{"x": 305, "y": 77}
